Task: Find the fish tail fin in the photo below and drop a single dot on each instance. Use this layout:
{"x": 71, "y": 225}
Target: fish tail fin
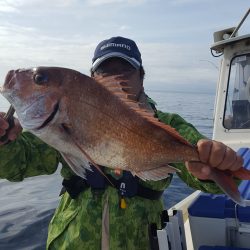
{"x": 242, "y": 174}
{"x": 227, "y": 185}
{"x": 156, "y": 174}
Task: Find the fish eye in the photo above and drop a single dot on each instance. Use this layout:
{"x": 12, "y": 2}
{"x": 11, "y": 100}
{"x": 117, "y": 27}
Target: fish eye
{"x": 40, "y": 78}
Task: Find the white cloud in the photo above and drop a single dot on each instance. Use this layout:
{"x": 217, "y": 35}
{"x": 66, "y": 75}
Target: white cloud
{"x": 173, "y": 64}
{"x": 173, "y": 41}
{"x": 185, "y": 2}
{"x": 165, "y": 63}
{"x": 7, "y": 7}
{"x": 14, "y": 5}
{"x": 124, "y": 27}
{"x": 23, "y": 47}
{"x": 105, "y": 2}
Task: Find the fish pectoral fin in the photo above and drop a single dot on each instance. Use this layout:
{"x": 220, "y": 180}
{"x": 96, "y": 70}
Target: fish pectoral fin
{"x": 227, "y": 184}
{"x": 156, "y": 174}
{"x": 78, "y": 165}
{"x": 90, "y": 161}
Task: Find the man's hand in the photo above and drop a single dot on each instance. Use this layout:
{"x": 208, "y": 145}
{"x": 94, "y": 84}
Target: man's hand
{"x": 12, "y": 133}
{"x": 214, "y": 154}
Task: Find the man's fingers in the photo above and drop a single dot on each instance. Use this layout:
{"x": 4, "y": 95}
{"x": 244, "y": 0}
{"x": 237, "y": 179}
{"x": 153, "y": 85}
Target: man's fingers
{"x": 199, "y": 170}
{"x": 3, "y": 124}
{"x": 2, "y": 132}
{"x": 230, "y": 161}
{"x": 12, "y": 137}
{"x": 204, "y": 147}
{"x": 237, "y": 164}
{"x": 12, "y": 133}
{"x": 217, "y": 154}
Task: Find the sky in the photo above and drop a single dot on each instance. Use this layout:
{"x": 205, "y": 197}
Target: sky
{"x": 174, "y": 36}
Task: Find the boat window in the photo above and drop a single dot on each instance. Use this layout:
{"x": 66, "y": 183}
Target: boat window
{"x": 237, "y": 112}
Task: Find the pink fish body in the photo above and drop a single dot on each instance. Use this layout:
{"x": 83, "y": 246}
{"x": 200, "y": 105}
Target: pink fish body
{"x": 89, "y": 122}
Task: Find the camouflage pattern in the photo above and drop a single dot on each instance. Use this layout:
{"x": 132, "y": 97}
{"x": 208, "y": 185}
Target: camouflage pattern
{"x": 27, "y": 156}
{"x": 77, "y": 223}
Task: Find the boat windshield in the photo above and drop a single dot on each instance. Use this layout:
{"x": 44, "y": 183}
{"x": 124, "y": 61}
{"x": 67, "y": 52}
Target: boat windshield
{"x": 237, "y": 112}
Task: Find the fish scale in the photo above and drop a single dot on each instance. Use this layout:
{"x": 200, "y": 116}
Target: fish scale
{"x": 94, "y": 121}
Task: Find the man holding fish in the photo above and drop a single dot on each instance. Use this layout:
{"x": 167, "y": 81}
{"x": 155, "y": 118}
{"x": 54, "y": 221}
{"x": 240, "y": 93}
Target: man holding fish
{"x": 118, "y": 152}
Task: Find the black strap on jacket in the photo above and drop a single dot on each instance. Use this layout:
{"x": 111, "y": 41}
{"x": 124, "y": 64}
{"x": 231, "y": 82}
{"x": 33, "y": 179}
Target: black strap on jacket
{"x": 74, "y": 186}
{"x": 127, "y": 185}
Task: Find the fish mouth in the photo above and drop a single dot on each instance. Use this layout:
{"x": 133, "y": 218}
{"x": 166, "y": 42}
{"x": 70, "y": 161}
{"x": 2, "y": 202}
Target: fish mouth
{"x": 8, "y": 80}
{"x": 50, "y": 118}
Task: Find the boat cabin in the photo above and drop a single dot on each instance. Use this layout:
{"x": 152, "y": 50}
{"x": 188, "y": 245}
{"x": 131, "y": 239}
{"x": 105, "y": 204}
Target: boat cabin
{"x": 215, "y": 222}
{"x": 232, "y": 105}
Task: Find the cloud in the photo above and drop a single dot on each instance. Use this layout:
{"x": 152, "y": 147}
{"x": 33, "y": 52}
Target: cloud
{"x": 103, "y": 2}
{"x": 15, "y": 5}
{"x": 185, "y": 2}
{"x": 38, "y": 34}
{"x": 124, "y": 27}
{"x": 165, "y": 63}
{"x": 169, "y": 64}
{"x": 116, "y": 2}
{"x": 23, "y": 47}
{"x": 7, "y": 7}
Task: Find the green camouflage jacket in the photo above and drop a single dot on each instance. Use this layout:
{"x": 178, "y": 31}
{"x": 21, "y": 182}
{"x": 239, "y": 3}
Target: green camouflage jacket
{"x": 77, "y": 223}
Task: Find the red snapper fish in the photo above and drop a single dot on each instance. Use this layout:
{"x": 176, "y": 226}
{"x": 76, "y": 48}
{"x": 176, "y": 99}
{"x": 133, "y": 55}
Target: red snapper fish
{"x": 93, "y": 122}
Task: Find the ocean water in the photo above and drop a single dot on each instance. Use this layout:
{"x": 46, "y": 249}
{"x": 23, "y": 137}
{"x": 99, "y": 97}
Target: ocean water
{"x": 27, "y": 207}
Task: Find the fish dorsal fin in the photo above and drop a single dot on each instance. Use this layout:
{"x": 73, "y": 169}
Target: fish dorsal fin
{"x": 118, "y": 87}
{"x": 170, "y": 130}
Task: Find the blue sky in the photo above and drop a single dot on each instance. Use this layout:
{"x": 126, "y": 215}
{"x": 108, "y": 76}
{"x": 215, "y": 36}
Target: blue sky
{"x": 174, "y": 36}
